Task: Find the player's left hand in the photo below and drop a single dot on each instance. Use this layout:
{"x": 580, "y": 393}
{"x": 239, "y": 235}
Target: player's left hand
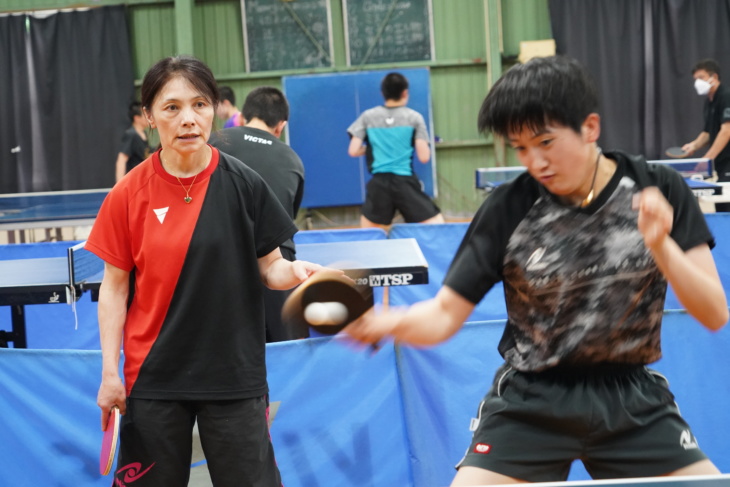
{"x": 655, "y": 216}
{"x": 303, "y": 269}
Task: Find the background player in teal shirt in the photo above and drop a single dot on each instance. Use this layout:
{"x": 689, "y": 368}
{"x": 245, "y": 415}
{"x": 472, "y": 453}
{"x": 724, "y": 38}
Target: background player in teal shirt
{"x": 387, "y": 135}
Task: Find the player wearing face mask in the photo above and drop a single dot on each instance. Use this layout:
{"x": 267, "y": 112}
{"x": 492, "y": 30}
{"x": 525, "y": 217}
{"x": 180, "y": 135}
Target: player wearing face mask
{"x": 702, "y": 86}
{"x": 716, "y": 115}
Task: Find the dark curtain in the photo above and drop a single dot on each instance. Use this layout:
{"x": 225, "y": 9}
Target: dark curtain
{"x": 641, "y": 53}
{"x": 607, "y": 38}
{"x": 82, "y": 65}
{"x": 15, "y": 129}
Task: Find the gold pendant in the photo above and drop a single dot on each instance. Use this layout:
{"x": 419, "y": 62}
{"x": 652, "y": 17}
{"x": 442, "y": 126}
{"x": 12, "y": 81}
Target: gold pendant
{"x": 188, "y": 199}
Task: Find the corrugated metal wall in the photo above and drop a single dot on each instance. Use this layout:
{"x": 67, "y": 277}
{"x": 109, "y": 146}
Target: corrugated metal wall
{"x": 458, "y": 75}
{"x": 152, "y": 33}
{"x": 524, "y": 20}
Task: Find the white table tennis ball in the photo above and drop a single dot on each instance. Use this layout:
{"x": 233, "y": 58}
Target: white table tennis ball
{"x": 328, "y": 313}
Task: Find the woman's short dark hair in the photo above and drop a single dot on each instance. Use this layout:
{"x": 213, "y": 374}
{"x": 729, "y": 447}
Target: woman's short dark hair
{"x": 393, "y": 86}
{"x": 554, "y": 89}
{"x": 195, "y": 71}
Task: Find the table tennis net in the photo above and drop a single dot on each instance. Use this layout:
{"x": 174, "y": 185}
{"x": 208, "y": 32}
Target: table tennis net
{"x": 83, "y": 265}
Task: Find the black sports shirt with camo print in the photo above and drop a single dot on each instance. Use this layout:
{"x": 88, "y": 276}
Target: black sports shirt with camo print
{"x": 580, "y": 286}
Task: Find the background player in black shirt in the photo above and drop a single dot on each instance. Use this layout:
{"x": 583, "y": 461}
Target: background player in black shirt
{"x": 716, "y": 115}
{"x": 257, "y": 144}
{"x": 134, "y": 148}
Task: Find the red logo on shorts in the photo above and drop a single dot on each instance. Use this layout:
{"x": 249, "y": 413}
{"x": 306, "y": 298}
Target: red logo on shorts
{"x": 482, "y": 448}
{"x": 131, "y": 472}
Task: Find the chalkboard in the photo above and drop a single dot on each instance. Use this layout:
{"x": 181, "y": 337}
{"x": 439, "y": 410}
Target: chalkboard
{"x": 385, "y": 31}
{"x": 279, "y": 34}
{"x": 322, "y": 106}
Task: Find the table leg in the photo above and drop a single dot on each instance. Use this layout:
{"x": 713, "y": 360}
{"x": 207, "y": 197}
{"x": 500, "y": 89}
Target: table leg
{"x": 17, "y": 312}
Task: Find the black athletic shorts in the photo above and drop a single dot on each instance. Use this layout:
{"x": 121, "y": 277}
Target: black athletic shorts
{"x": 156, "y": 439}
{"x": 620, "y": 420}
{"x": 388, "y": 192}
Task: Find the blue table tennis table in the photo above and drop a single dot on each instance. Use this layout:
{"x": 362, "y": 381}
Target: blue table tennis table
{"x": 695, "y": 171}
{"x": 54, "y": 209}
{"x": 49, "y": 280}
{"x": 54, "y": 280}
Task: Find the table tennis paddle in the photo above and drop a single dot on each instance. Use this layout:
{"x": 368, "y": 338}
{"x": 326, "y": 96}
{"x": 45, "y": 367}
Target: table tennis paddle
{"x": 109, "y": 442}
{"x": 675, "y": 152}
{"x": 327, "y": 301}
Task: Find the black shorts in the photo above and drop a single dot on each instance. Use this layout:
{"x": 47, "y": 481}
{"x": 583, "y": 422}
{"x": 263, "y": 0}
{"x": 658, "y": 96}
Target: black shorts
{"x": 388, "y": 192}
{"x": 156, "y": 441}
{"x": 621, "y": 421}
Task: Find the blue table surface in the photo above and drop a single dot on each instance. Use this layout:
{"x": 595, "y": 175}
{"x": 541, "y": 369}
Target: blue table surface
{"x": 47, "y": 271}
{"x": 370, "y": 254}
{"x": 50, "y": 206}
{"x": 695, "y": 184}
{"x": 494, "y": 176}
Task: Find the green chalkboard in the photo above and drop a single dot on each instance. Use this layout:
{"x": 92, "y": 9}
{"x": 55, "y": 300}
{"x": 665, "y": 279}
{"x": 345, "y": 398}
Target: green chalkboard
{"x": 286, "y": 34}
{"x": 385, "y": 31}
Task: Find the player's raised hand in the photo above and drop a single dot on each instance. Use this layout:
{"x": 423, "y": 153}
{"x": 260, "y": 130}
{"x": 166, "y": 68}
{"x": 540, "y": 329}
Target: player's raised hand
{"x": 655, "y": 216}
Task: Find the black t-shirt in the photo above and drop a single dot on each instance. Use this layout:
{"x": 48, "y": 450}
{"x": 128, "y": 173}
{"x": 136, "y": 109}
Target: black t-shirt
{"x": 580, "y": 285}
{"x": 716, "y": 112}
{"x": 273, "y": 160}
{"x": 135, "y": 148}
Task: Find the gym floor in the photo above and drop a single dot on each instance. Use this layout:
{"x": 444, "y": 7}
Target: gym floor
{"x": 199, "y": 474}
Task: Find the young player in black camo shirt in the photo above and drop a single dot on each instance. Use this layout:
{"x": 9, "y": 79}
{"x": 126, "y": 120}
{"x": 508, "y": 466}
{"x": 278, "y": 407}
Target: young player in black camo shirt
{"x": 585, "y": 244}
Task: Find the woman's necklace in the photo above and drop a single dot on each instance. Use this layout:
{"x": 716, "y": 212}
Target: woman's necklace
{"x": 588, "y": 199}
{"x": 187, "y": 198}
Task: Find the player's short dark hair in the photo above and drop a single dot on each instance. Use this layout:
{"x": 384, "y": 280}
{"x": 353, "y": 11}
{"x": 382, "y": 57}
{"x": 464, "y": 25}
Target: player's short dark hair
{"x": 393, "y": 86}
{"x": 195, "y": 71}
{"x": 135, "y": 110}
{"x": 226, "y": 93}
{"x": 554, "y": 89}
{"x": 709, "y": 65}
{"x": 266, "y": 103}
